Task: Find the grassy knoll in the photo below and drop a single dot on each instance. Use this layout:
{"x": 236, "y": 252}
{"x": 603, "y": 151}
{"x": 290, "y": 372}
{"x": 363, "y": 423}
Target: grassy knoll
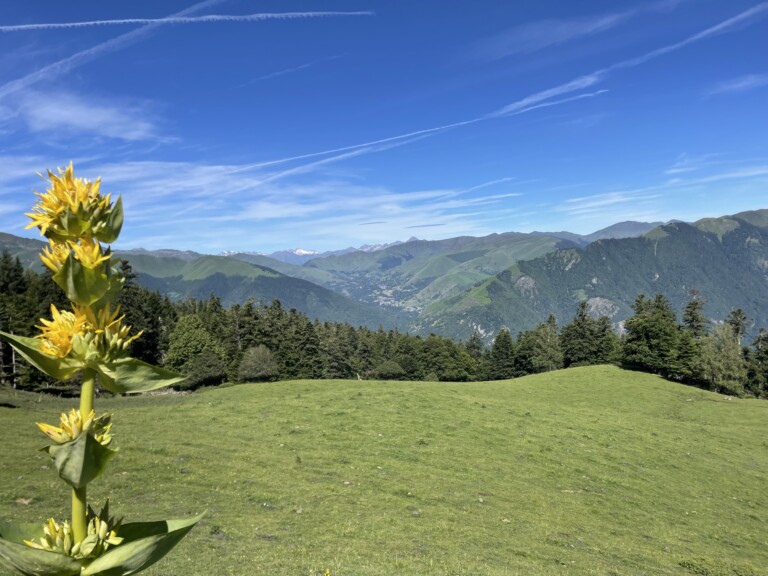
{"x": 583, "y": 471}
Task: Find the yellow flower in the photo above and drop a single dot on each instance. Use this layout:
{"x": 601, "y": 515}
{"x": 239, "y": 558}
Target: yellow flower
{"x": 112, "y": 335}
{"x": 54, "y": 255}
{"x": 102, "y": 534}
{"x": 88, "y": 252}
{"x": 73, "y": 424}
{"x": 57, "y": 334}
{"x": 70, "y": 207}
{"x": 56, "y": 538}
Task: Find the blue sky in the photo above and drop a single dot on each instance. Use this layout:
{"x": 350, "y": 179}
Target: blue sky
{"x": 263, "y": 125}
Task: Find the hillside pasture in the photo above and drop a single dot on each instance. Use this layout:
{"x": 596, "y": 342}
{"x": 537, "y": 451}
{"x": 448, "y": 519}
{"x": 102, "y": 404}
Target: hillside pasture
{"x": 582, "y": 471}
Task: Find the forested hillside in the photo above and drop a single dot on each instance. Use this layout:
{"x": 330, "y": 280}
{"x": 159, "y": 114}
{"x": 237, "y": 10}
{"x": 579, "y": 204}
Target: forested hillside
{"x": 213, "y": 344}
{"x": 458, "y": 286}
{"x": 725, "y": 259}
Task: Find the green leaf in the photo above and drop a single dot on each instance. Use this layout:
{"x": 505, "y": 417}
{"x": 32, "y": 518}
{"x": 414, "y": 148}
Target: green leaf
{"x": 58, "y": 368}
{"x": 113, "y": 224}
{"x": 144, "y": 544}
{"x": 84, "y": 286}
{"x": 73, "y": 223}
{"x": 30, "y": 561}
{"x": 129, "y": 375}
{"x": 81, "y": 460}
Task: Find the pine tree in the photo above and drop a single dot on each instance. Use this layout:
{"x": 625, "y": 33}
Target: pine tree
{"x": 721, "y": 365}
{"x": 694, "y": 321}
{"x": 195, "y": 352}
{"x": 757, "y": 380}
{"x": 738, "y": 321}
{"x": 502, "y": 358}
{"x": 310, "y": 361}
{"x": 441, "y": 358}
{"x": 16, "y": 315}
{"x": 578, "y": 339}
{"x": 407, "y": 356}
{"x": 652, "y": 340}
{"x": 539, "y": 350}
{"x": 476, "y": 350}
{"x": 586, "y": 341}
{"x": 607, "y": 342}
{"x": 147, "y": 312}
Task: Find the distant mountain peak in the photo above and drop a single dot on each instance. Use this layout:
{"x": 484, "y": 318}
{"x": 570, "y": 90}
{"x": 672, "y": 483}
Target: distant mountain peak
{"x": 234, "y": 252}
{"x": 164, "y": 252}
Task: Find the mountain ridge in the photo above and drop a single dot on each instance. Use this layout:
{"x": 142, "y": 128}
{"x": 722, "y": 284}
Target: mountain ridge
{"x": 458, "y": 285}
{"x": 725, "y": 259}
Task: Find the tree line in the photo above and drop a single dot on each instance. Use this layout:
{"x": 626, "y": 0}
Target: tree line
{"x": 264, "y": 342}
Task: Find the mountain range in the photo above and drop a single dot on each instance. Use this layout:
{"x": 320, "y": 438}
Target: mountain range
{"x": 456, "y": 286}
{"x": 301, "y": 256}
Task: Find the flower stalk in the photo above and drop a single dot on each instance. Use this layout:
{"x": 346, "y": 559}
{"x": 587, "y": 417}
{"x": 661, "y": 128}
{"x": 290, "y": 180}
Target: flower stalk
{"x": 90, "y": 340}
{"x": 79, "y": 495}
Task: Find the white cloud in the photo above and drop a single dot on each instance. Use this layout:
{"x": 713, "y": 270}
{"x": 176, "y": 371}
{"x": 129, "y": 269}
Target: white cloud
{"x": 598, "y": 202}
{"x": 725, "y": 192}
{"x": 739, "y": 85}
{"x": 736, "y": 174}
{"x": 73, "y": 114}
{"x": 225, "y": 207}
{"x": 14, "y": 169}
{"x": 692, "y": 163}
{"x": 535, "y": 36}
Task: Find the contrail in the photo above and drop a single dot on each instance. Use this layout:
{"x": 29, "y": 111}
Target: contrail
{"x": 534, "y": 100}
{"x": 417, "y": 134}
{"x": 83, "y": 57}
{"x": 543, "y": 99}
{"x": 723, "y": 27}
{"x": 179, "y": 20}
{"x": 50, "y": 71}
{"x": 354, "y": 146}
{"x": 293, "y": 69}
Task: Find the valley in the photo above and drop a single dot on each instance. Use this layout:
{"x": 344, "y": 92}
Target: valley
{"x": 457, "y": 286}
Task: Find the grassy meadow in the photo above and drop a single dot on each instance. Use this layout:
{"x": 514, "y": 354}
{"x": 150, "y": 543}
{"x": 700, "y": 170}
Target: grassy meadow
{"x": 582, "y": 471}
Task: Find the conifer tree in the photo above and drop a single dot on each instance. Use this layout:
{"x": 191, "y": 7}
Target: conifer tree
{"x": 694, "y": 321}
{"x": 195, "y": 352}
{"x": 577, "y": 339}
{"x": 757, "y": 378}
{"x": 738, "y": 321}
{"x": 652, "y": 340}
{"x": 502, "y": 358}
{"x": 721, "y": 365}
{"x": 539, "y": 350}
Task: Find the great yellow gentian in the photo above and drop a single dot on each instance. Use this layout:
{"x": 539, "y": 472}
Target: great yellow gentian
{"x": 88, "y": 252}
{"x": 73, "y": 424}
{"x": 112, "y": 335}
{"x": 67, "y": 193}
{"x": 57, "y": 334}
{"x": 54, "y": 255}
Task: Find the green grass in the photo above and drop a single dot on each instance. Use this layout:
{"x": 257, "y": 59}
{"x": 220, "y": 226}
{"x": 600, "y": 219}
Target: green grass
{"x": 718, "y": 226}
{"x": 582, "y": 471}
{"x": 206, "y": 266}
